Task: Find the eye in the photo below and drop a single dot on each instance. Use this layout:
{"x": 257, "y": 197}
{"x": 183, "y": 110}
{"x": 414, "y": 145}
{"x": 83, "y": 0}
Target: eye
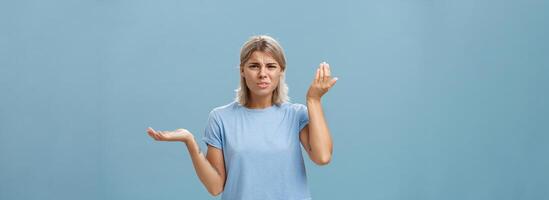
{"x": 253, "y": 66}
{"x": 272, "y": 66}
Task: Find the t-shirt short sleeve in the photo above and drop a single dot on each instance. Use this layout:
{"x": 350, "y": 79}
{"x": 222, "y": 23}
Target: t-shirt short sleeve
{"x": 302, "y": 116}
{"x": 213, "y": 132}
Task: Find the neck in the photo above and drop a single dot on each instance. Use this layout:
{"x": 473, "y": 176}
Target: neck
{"x": 260, "y": 102}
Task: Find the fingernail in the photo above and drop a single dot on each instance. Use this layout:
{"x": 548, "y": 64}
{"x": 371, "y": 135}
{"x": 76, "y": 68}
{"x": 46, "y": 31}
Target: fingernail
{"x": 336, "y": 78}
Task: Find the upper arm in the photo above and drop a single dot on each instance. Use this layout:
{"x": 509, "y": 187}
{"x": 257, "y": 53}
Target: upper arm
{"x": 304, "y": 138}
{"x": 216, "y": 159}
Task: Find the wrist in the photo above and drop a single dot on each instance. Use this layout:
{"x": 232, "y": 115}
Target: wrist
{"x": 313, "y": 99}
{"x": 188, "y": 139}
{"x": 192, "y": 146}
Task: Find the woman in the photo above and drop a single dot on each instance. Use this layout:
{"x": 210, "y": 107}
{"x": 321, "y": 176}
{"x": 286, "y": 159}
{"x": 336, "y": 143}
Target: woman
{"x": 254, "y": 142}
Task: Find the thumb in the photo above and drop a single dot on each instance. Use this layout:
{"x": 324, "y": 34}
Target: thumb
{"x": 333, "y": 81}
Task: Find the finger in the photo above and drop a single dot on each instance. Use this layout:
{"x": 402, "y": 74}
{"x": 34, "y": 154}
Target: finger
{"x": 152, "y": 130}
{"x": 153, "y": 135}
{"x": 150, "y": 134}
{"x": 321, "y": 71}
{"x": 317, "y": 76}
{"x": 324, "y": 68}
{"x": 157, "y": 137}
{"x": 162, "y": 136}
{"x": 328, "y": 73}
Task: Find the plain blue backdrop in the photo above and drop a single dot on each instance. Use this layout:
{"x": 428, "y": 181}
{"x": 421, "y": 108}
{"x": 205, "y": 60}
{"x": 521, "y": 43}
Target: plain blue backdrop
{"x": 435, "y": 99}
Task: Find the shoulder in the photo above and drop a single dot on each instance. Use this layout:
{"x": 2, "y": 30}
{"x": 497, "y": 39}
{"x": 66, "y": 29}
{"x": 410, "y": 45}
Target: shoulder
{"x": 230, "y": 108}
{"x": 295, "y": 107}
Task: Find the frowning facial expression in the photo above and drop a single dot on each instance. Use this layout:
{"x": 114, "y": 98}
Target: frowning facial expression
{"x": 262, "y": 74}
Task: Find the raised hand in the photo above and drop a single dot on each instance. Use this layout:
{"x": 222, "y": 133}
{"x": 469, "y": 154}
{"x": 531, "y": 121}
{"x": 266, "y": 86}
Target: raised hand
{"x": 322, "y": 83}
{"x": 181, "y": 135}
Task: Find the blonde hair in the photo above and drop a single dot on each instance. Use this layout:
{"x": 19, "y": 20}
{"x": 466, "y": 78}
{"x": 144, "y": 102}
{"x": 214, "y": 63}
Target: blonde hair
{"x": 269, "y": 45}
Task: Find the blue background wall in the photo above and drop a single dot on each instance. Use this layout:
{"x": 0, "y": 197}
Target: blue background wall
{"x": 436, "y": 99}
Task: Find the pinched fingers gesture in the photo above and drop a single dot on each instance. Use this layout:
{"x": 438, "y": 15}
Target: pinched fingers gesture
{"x": 322, "y": 83}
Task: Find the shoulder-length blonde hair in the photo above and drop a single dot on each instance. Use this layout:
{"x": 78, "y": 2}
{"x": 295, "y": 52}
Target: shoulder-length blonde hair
{"x": 269, "y": 45}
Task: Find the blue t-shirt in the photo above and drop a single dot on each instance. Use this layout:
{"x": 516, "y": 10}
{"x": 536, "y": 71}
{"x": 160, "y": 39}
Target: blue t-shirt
{"x": 262, "y": 150}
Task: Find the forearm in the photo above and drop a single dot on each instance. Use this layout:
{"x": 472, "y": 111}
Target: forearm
{"x": 319, "y": 135}
{"x": 207, "y": 174}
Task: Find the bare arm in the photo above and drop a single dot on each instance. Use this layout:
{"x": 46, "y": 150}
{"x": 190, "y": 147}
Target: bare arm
{"x": 315, "y": 137}
{"x": 210, "y": 169}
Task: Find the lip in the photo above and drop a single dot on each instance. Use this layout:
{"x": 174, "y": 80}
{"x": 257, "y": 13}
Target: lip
{"x": 263, "y": 85}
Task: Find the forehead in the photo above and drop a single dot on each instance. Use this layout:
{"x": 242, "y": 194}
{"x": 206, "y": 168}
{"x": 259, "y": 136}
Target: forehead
{"x": 259, "y": 56}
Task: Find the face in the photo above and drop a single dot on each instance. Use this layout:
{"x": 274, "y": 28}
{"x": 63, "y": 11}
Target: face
{"x": 262, "y": 74}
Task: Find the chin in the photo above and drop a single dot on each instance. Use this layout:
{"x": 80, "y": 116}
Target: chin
{"x": 262, "y": 94}
{"x": 265, "y": 92}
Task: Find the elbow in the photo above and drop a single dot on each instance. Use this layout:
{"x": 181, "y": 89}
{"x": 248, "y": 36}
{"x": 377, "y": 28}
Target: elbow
{"x": 215, "y": 191}
{"x": 323, "y": 160}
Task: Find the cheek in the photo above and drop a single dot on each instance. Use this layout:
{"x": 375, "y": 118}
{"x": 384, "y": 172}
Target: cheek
{"x": 249, "y": 79}
{"x": 246, "y": 74}
{"x": 276, "y": 79}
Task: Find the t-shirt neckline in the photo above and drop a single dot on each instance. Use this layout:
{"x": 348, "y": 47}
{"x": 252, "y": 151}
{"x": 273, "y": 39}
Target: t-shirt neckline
{"x": 257, "y": 109}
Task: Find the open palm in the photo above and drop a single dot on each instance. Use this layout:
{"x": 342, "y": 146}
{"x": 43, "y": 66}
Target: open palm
{"x": 181, "y": 135}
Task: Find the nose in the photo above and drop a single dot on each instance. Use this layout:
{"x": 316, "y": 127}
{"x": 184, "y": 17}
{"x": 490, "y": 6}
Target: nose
{"x": 263, "y": 73}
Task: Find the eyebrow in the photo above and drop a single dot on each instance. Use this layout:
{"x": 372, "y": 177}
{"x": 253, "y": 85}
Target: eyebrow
{"x": 267, "y": 63}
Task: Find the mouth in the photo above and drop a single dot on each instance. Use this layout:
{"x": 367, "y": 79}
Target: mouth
{"x": 263, "y": 85}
